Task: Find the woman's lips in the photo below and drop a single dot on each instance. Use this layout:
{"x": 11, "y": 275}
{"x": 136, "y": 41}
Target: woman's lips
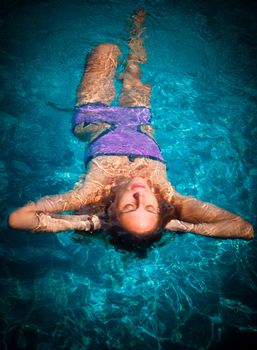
{"x": 134, "y": 186}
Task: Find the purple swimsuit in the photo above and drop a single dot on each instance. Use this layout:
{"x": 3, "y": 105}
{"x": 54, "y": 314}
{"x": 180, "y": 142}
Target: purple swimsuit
{"x": 124, "y": 135}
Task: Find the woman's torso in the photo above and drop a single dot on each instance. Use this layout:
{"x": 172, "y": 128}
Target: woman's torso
{"x": 116, "y": 131}
{"x": 111, "y": 132}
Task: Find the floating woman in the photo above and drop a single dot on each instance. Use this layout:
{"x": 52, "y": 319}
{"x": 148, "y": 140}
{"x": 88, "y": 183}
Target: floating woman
{"x": 126, "y": 186}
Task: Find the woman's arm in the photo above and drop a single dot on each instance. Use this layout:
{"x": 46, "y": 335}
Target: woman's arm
{"x": 27, "y": 218}
{"x": 41, "y": 217}
{"x": 207, "y": 219}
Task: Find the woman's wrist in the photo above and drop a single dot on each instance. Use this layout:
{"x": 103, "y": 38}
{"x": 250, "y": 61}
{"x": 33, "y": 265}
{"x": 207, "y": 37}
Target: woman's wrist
{"x": 92, "y": 223}
{"x": 47, "y": 223}
{"x": 96, "y": 222}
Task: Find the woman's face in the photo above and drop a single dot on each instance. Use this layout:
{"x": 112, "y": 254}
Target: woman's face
{"x": 136, "y": 207}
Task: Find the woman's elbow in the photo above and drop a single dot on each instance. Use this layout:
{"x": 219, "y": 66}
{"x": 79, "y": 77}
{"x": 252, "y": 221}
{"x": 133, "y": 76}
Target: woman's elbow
{"x": 20, "y": 219}
{"x": 247, "y": 231}
{"x": 13, "y": 220}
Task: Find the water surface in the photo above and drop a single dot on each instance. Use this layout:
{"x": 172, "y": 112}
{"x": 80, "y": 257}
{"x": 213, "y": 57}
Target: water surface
{"x": 189, "y": 291}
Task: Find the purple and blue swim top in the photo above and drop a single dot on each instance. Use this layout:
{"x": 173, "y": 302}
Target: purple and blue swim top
{"x": 124, "y": 136}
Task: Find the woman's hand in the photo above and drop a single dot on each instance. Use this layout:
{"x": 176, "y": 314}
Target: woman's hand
{"x": 179, "y": 226}
{"x": 81, "y": 222}
{"x": 57, "y": 223}
{"x": 28, "y": 218}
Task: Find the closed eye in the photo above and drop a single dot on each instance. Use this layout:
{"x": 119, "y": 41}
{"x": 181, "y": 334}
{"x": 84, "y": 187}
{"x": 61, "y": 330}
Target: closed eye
{"x": 130, "y": 208}
{"x": 151, "y": 209}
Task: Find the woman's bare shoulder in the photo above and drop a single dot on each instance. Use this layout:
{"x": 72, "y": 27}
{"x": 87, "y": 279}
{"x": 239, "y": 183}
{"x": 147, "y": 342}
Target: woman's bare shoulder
{"x": 105, "y": 170}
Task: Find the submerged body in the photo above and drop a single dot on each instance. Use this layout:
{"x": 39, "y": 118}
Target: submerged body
{"x": 126, "y": 181}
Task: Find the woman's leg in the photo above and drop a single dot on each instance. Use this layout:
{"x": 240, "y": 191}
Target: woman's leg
{"x": 97, "y": 83}
{"x": 134, "y": 92}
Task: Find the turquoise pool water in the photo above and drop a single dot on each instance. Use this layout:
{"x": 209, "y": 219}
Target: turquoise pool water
{"x": 188, "y": 291}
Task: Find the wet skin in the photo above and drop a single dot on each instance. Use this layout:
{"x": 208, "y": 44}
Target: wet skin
{"x": 136, "y": 207}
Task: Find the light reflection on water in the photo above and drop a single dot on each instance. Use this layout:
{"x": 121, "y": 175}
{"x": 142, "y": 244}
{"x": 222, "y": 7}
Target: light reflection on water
{"x": 201, "y": 67}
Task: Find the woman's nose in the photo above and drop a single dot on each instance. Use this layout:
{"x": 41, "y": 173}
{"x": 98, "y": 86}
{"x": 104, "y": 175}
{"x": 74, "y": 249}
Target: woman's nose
{"x": 138, "y": 198}
{"x": 136, "y": 195}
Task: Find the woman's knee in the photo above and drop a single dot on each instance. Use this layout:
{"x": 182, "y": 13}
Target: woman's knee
{"x": 107, "y": 48}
